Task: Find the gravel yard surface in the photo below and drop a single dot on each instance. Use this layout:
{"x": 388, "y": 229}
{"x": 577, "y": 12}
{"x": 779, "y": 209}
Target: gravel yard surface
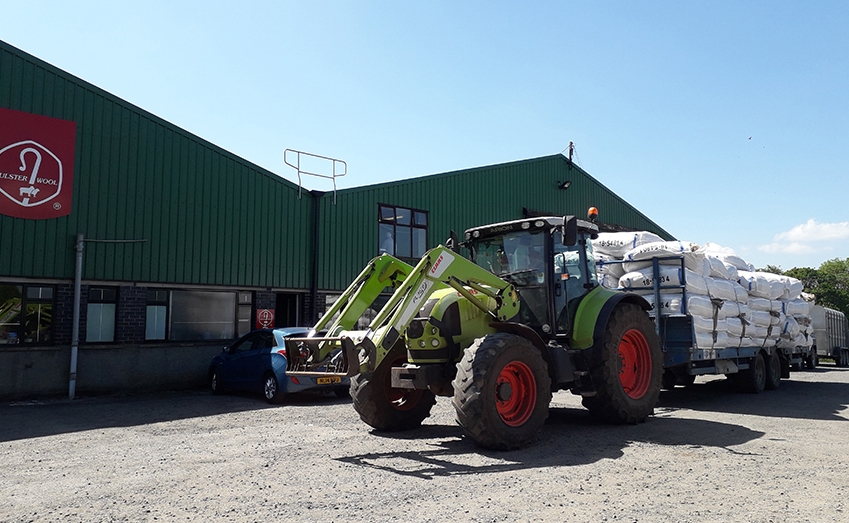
{"x": 708, "y": 454}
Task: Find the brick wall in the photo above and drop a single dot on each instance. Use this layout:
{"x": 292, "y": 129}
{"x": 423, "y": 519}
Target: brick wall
{"x": 130, "y": 321}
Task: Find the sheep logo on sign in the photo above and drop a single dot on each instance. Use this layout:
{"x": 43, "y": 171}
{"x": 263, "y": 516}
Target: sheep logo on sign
{"x": 36, "y": 162}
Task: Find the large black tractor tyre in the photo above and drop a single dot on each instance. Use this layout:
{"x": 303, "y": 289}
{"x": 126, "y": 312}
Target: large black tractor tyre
{"x": 386, "y": 408}
{"x": 628, "y": 379}
{"x": 502, "y": 391}
{"x": 772, "y": 371}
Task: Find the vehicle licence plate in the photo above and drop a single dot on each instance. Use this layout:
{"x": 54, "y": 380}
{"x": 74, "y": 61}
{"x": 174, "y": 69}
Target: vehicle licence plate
{"x": 328, "y": 380}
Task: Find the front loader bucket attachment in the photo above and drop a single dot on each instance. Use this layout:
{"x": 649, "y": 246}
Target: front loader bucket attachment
{"x": 304, "y": 357}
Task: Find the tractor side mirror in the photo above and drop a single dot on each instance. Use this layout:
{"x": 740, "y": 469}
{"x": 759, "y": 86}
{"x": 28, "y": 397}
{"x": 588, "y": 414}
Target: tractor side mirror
{"x": 453, "y": 244}
{"x": 570, "y": 231}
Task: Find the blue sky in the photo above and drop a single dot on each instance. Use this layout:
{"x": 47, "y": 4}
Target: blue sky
{"x": 723, "y": 121}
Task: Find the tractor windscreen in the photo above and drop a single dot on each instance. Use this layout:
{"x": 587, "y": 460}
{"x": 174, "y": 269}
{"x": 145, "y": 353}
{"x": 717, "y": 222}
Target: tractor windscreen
{"x": 518, "y": 257}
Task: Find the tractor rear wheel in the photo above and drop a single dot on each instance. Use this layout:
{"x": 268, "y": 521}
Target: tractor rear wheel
{"x": 628, "y": 379}
{"x": 502, "y": 391}
{"x": 386, "y": 408}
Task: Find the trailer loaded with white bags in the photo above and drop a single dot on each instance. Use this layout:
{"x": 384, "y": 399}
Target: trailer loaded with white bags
{"x": 714, "y": 314}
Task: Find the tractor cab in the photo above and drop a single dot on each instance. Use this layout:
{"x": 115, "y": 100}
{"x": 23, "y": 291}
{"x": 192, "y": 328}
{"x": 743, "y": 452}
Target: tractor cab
{"x": 548, "y": 260}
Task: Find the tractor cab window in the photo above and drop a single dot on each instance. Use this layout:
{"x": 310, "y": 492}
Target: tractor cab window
{"x": 574, "y": 276}
{"x": 519, "y": 257}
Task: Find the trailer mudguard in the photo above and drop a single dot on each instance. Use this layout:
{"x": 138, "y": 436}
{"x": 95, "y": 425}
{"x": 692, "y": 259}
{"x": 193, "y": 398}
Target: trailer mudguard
{"x": 593, "y": 313}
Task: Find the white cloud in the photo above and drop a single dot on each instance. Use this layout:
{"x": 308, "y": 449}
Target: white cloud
{"x": 810, "y": 237}
{"x": 813, "y": 231}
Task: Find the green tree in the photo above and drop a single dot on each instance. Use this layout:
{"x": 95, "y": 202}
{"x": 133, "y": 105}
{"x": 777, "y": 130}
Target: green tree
{"x": 829, "y": 283}
{"x": 773, "y": 269}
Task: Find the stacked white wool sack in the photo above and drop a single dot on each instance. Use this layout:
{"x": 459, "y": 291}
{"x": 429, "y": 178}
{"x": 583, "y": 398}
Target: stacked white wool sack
{"x": 610, "y": 248}
{"x": 730, "y": 304}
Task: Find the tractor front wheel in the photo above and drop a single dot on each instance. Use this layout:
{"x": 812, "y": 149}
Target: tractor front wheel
{"x": 502, "y": 391}
{"x": 628, "y": 378}
{"x": 386, "y": 408}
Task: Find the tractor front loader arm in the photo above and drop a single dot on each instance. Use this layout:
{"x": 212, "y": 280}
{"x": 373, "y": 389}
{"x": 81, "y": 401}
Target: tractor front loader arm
{"x": 439, "y": 268}
{"x": 309, "y": 355}
{"x": 381, "y": 272}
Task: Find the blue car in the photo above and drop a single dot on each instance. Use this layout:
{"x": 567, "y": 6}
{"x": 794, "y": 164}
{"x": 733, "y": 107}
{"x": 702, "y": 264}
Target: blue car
{"x": 257, "y": 362}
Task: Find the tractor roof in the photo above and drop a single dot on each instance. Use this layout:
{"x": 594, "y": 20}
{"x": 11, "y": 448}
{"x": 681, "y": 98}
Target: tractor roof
{"x": 528, "y": 224}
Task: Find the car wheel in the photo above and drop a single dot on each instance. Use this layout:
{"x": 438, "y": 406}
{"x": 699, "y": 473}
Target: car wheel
{"x": 271, "y": 389}
{"x": 215, "y": 382}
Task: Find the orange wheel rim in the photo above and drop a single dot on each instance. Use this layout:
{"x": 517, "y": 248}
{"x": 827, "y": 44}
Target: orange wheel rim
{"x": 635, "y": 356}
{"x": 515, "y": 393}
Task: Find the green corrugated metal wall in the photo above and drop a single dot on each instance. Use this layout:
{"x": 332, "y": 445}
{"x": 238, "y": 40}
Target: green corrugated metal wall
{"x": 208, "y": 217}
{"x": 211, "y": 218}
{"x": 460, "y": 200}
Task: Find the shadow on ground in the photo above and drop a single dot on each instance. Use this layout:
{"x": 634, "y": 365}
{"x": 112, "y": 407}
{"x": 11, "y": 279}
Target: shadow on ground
{"x": 33, "y": 419}
{"x": 813, "y": 400}
{"x": 570, "y": 438}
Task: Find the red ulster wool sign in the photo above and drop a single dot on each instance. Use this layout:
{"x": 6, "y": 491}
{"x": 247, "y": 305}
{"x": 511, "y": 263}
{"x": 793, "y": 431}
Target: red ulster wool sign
{"x": 265, "y": 318}
{"x": 36, "y": 165}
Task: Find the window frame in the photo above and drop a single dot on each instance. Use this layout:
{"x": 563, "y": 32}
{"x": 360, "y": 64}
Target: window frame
{"x": 242, "y": 321}
{"x": 25, "y": 302}
{"x": 103, "y": 299}
{"x": 157, "y": 301}
{"x": 407, "y": 232}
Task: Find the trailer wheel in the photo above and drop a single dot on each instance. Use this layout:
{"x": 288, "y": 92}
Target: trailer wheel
{"x": 386, "y": 408}
{"x": 502, "y": 391}
{"x": 754, "y": 378}
{"x": 628, "y": 380}
{"x": 813, "y": 361}
{"x": 772, "y": 371}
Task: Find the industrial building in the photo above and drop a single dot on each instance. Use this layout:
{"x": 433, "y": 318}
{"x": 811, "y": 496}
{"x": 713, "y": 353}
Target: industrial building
{"x": 131, "y": 250}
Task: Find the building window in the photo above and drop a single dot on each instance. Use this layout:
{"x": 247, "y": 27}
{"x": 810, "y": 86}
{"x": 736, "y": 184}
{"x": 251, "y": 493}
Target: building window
{"x": 100, "y": 314}
{"x": 244, "y": 313}
{"x": 156, "y": 315}
{"x": 402, "y": 232}
{"x": 202, "y": 315}
{"x": 26, "y": 314}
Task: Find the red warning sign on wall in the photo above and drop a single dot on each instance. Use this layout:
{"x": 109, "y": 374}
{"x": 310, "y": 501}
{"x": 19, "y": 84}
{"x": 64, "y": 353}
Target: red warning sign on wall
{"x": 36, "y": 165}
{"x": 265, "y": 318}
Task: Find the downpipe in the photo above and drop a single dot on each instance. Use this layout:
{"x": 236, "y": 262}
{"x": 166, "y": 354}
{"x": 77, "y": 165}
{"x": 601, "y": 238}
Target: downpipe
{"x": 75, "y": 332}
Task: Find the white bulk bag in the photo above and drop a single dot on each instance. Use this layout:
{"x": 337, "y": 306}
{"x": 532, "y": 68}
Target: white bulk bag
{"x": 668, "y": 275}
{"x": 760, "y": 304}
{"x": 618, "y": 243}
{"x": 794, "y": 288}
{"x": 740, "y": 293}
{"x": 702, "y": 324}
{"x": 699, "y": 305}
{"x": 797, "y": 307}
{"x": 758, "y": 284}
{"x": 717, "y": 268}
{"x": 760, "y": 318}
{"x": 693, "y": 258}
{"x": 789, "y": 328}
{"x": 720, "y": 289}
{"x": 734, "y": 326}
{"x": 669, "y": 304}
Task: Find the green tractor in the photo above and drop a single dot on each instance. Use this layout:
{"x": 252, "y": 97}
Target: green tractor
{"x": 523, "y": 317}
